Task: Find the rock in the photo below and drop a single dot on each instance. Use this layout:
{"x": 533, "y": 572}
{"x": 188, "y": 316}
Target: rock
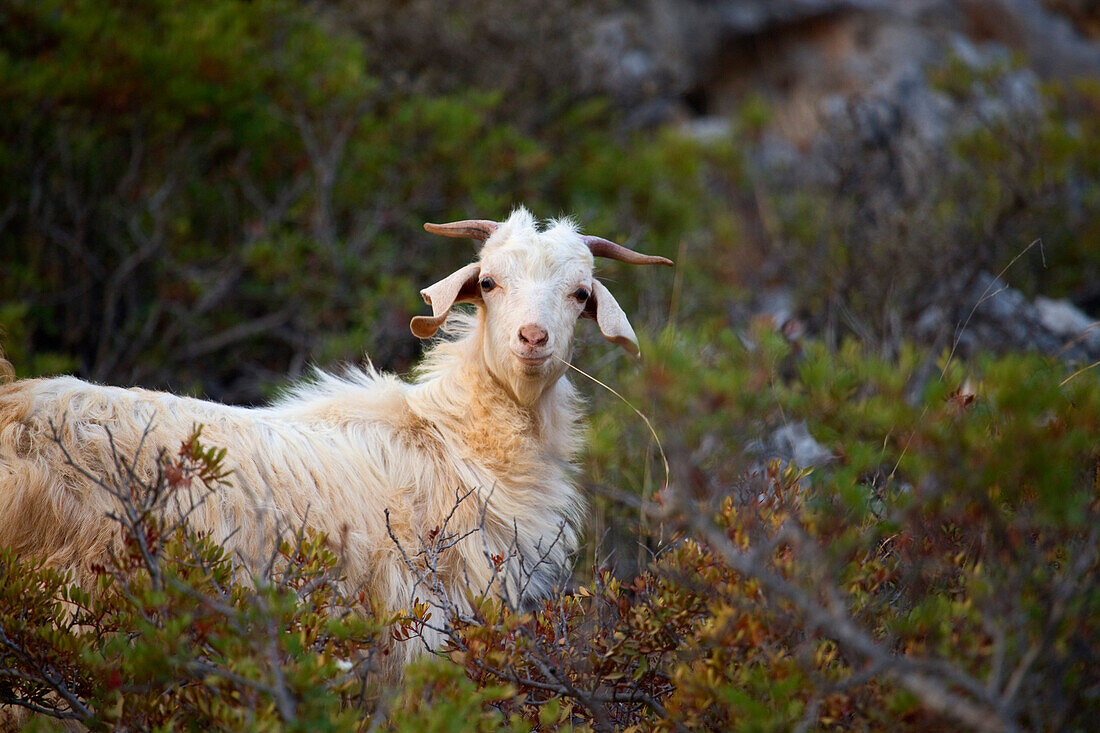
{"x": 1049, "y": 42}
{"x": 1065, "y": 320}
{"x": 750, "y": 17}
{"x": 996, "y": 317}
{"x": 794, "y": 442}
{"x": 1083, "y": 14}
{"x": 703, "y": 57}
{"x": 791, "y": 442}
{"x": 861, "y": 106}
{"x": 708, "y": 128}
{"x": 777, "y": 304}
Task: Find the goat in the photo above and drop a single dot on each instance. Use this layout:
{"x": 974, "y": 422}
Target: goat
{"x": 376, "y": 461}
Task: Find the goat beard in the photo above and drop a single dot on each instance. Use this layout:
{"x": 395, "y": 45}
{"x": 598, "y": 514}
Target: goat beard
{"x": 526, "y": 383}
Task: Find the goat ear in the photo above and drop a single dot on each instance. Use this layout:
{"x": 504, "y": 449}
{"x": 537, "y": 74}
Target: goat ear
{"x": 458, "y": 287}
{"x": 603, "y": 307}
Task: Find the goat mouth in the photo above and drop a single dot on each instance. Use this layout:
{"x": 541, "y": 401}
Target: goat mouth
{"x": 531, "y": 359}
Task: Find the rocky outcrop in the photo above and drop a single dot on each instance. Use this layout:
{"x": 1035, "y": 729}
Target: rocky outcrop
{"x": 996, "y": 317}
{"x": 680, "y": 59}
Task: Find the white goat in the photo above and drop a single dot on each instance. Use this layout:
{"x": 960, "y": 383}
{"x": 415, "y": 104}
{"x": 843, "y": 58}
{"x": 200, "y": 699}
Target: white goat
{"x": 364, "y": 457}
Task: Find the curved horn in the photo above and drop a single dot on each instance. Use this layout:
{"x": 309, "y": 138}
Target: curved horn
{"x": 604, "y": 248}
{"x": 479, "y": 229}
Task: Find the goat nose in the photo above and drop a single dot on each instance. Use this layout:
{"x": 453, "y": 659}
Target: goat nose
{"x": 533, "y": 335}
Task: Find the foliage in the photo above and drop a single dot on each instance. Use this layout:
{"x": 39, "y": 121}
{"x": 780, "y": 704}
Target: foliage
{"x": 956, "y": 526}
{"x": 176, "y": 633}
{"x": 940, "y": 571}
{"x": 186, "y": 181}
{"x": 213, "y": 195}
{"x": 208, "y": 195}
{"x": 899, "y": 226}
{"x": 533, "y": 51}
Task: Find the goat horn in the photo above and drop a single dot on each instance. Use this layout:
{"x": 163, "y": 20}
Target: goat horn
{"x": 604, "y": 248}
{"x": 479, "y": 229}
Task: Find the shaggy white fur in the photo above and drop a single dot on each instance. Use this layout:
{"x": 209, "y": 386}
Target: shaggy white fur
{"x": 489, "y": 415}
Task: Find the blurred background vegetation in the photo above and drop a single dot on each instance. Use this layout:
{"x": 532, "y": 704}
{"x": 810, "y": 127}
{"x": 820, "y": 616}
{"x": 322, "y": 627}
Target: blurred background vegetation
{"x": 866, "y": 202}
{"x": 212, "y": 195}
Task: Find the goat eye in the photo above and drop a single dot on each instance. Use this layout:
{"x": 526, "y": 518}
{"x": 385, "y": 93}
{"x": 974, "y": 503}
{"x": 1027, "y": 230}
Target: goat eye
{"x": 581, "y": 294}
{"x": 487, "y": 284}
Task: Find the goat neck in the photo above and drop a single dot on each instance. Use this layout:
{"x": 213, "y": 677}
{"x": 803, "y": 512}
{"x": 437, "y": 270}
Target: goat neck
{"x": 455, "y": 380}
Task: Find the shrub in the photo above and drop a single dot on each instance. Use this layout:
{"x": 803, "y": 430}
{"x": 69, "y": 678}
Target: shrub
{"x": 940, "y": 571}
{"x": 950, "y": 542}
{"x": 187, "y": 181}
{"x": 178, "y": 633}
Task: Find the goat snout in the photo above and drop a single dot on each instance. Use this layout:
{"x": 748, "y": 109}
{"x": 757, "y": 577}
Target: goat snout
{"x": 533, "y": 335}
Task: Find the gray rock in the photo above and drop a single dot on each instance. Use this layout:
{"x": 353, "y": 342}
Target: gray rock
{"x": 707, "y": 129}
{"x": 750, "y": 17}
{"x": 999, "y": 318}
{"x": 791, "y": 443}
{"x": 794, "y": 442}
{"x": 975, "y": 56}
{"x": 1064, "y": 319}
{"x": 799, "y": 52}
{"x": 1054, "y": 48}
{"x": 777, "y": 304}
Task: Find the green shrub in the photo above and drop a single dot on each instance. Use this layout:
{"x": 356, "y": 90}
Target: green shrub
{"x": 177, "y": 634}
{"x": 940, "y": 570}
{"x": 210, "y": 195}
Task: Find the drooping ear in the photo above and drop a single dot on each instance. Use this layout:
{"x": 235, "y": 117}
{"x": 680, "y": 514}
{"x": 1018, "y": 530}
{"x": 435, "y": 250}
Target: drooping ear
{"x": 602, "y": 307}
{"x": 458, "y": 287}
